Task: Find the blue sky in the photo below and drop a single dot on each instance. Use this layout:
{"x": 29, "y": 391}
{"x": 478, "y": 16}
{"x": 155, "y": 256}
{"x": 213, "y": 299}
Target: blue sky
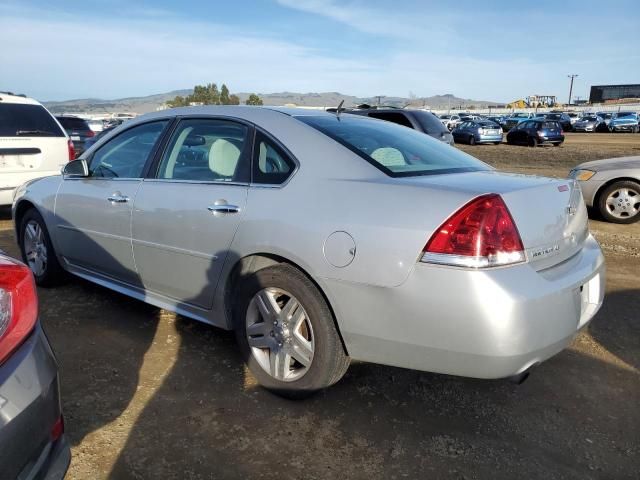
{"x": 503, "y": 51}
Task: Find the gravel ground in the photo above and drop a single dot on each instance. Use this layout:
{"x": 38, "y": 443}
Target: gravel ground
{"x": 147, "y": 394}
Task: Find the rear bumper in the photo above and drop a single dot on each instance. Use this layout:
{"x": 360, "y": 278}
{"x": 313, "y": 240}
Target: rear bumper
{"x": 29, "y": 408}
{"x": 6, "y": 195}
{"x": 554, "y": 139}
{"x": 485, "y": 324}
{"x": 489, "y": 138}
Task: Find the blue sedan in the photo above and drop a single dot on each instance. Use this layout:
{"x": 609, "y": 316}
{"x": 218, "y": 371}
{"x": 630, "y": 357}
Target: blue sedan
{"x": 477, "y": 131}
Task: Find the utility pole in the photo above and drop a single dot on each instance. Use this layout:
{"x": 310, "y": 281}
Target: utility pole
{"x": 572, "y": 76}
{"x": 378, "y": 97}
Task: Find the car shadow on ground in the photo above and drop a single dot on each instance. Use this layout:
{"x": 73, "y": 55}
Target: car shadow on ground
{"x": 572, "y": 419}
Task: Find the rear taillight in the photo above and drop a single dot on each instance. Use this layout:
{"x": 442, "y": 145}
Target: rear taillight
{"x": 18, "y": 305}
{"x": 58, "y": 429}
{"x": 480, "y": 234}
{"x": 91, "y": 133}
{"x": 561, "y": 132}
{"x": 72, "y": 150}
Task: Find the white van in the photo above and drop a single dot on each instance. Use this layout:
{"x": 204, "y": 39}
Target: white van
{"x": 32, "y": 143}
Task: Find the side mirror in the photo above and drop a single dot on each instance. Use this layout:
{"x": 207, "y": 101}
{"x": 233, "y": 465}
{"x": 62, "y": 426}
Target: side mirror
{"x": 76, "y": 169}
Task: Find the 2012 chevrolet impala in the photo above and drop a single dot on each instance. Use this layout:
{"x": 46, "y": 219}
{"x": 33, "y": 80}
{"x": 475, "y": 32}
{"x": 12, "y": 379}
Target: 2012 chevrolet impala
{"x": 322, "y": 237}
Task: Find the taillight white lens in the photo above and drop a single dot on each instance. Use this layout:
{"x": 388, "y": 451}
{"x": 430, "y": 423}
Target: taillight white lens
{"x": 481, "y": 234}
{"x": 18, "y": 305}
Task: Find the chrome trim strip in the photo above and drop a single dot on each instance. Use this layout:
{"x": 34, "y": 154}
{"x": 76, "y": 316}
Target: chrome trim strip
{"x": 85, "y": 231}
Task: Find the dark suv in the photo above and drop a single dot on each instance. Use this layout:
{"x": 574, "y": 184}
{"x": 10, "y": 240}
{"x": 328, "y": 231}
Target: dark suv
{"x": 420, "y": 120}
{"x": 78, "y": 130}
{"x": 536, "y": 132}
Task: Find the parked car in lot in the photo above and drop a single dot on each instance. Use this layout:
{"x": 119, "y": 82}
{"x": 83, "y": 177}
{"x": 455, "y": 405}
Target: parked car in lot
{"x": 478, "y": 131}
{"x": 562, "y": 118}
{"x": 513, "y": 120}
{"x": 624, "y": 122}
{"x": 536, "y": 132}
{"x": 78, "y": 130}
{"x": 605, "y": 116}
{"x": 588, "y": 124}
{"x": 32, "y": 144}
{"x": 96, "y": 125}
{"x": 450, "y": 121}
{"x": 32, "y": 441}
{"x": 612, "y": 186}
{"x": 284, "y": 225}
{"x": 574, "y": 117}
{"x": 420, "y": 120}
{"x": 91, "y": 140}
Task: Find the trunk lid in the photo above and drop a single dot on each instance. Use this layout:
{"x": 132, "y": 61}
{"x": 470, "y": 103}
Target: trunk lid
{"x": 550, "y": 214}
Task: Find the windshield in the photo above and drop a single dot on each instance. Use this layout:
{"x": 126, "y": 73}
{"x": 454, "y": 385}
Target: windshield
{"x": 625, "y": 114}
{"x": 397, "y": 151}
{"x": 445, "y": 117}
{"x": 430, "y": 123}
{"x": 589, "y": 119}
{"x": 521, "y": 115}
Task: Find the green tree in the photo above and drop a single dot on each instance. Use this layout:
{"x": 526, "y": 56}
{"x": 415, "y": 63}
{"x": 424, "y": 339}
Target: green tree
{"x": 214, "y": 94}
{"x": 253, "y": 100}
{"x": 178, "y": 101}
{"x": 224, "y": 95}
{"x": 234, "y": 100}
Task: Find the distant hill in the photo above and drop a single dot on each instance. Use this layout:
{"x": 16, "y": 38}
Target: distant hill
{"x": 326, "y": 99}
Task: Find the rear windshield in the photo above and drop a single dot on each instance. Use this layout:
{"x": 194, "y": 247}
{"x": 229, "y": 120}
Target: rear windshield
{"x": 18, "y": 119}
{"x": 430, "y": 123}
{"x": 73, "y": 123}
{"x": 550, "y": 125}
{"x": 397, "y": 151}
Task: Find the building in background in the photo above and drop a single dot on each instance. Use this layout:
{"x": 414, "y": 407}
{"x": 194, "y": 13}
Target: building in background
{"x": 613, "y": 93}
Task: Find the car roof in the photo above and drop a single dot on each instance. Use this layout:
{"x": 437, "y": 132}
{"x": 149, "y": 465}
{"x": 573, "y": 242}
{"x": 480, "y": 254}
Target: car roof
{"x": 9, "y": 97}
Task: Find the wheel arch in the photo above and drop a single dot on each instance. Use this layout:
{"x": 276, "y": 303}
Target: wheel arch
{"x": 608, "y": 183}
{"x": 20, "y": 209}
{"x": 257, "y": 261}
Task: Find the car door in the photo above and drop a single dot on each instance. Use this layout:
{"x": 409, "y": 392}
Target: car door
{"x": 188, "y": 210}
{"x": 93, "y": 214}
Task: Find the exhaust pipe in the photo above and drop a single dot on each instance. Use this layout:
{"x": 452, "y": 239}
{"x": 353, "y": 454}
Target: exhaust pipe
{"x": 519, "y": 378}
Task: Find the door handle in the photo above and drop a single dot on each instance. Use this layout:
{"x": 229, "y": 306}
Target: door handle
{"x": 225, "y": 208}
{"x": 118, "y": 198}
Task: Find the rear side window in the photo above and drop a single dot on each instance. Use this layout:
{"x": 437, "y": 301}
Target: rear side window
{"x": 271, "y": 165}
{"x": 394, "y": 117}
{"x": 395, "y": 150}
{"x": 430, "y": 123}
{"x": 125, "y": 155}
{"x": 73, "y": 123}
{"x": 17, "y": 119}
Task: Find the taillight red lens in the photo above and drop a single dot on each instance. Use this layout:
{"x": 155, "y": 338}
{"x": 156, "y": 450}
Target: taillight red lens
{"x": 72, "y": 150}
{"x": 481, "y": 234}
{"x": 58, "y": 429}
{"x": 91, "y": 133}
{"x": 18, "y": 305}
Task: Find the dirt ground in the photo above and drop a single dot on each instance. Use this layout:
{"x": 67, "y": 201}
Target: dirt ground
{"x": 149, "y": 395}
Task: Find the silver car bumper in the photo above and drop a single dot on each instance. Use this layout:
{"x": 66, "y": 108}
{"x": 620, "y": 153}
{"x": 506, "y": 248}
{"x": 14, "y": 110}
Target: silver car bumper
{"x": 490, "y": 323}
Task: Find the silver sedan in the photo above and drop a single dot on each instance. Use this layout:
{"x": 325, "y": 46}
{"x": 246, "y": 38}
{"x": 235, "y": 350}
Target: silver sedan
{"x": 321, "y": 238}
{"x": 612, "y": 186}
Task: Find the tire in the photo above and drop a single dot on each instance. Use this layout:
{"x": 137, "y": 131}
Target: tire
{"x": 620, "y": 202}
{"x": 557, "y": 144}
{"x": 280, "y": 285}
{"x": 497, "y": 143}
{"x": 533, "y": 142}
{"x": 472, "y": 140}
{"x": 37, "y": 250}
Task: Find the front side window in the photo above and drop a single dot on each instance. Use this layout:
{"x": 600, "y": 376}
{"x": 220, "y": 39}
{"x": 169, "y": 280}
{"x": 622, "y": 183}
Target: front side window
{"x": 125, "y": 155}
{"x": 395, "y": 150}
{"x": 207, "y": 150}
{"x": 271, "y": 165}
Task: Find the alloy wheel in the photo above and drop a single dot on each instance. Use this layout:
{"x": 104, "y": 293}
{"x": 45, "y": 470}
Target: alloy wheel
{"x": 35, "y": 248}
{"x": 280, "y": 334}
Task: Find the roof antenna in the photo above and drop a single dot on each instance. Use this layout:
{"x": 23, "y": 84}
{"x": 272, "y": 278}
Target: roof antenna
{"x": 339, "y": 109}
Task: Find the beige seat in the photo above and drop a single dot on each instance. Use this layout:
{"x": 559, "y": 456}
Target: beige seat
{"x": 223, "y": 158}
